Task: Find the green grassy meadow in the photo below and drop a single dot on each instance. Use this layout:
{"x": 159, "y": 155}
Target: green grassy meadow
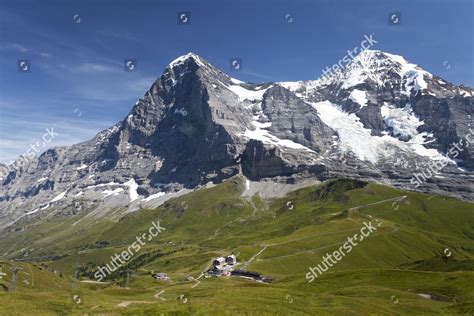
{"x": 423, "y": 244}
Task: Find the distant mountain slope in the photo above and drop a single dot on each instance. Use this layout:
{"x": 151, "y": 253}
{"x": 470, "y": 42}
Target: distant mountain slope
{"x": 381, "y": 119}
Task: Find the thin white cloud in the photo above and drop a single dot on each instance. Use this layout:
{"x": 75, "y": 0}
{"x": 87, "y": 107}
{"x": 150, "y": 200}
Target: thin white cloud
{"x": 90, "y": 68}
{"x": 69, "y": 132}
{"x": 257, "y": 74}
{"x": 46, "y": 55}
{"x": 141, "y": 85}
{"x": 19, "y": 48}
{"x": 74, "y": 129}
{"x": 13, "y": 46}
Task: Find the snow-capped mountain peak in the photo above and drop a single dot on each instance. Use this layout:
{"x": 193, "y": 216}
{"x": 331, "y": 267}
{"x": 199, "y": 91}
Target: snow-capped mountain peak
{"x": 384, "y": 115}
{"x": 370, "y": 69}
{"x": 381, "y": 70}
{"x": 189, "y": 56}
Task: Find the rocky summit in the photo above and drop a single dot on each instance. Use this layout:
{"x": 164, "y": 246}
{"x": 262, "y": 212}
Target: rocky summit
{"x": 381, "y": 119}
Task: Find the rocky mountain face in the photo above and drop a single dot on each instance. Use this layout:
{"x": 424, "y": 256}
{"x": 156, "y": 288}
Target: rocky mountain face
{"x": 382, "y": 90}
{"x": 381, "y": 119}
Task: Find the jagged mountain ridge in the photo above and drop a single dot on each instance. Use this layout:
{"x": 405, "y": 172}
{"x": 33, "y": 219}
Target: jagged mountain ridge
{"x": 380, "y": 119}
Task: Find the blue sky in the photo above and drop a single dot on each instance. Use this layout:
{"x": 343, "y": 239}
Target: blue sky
{"x": 78, "y": 85}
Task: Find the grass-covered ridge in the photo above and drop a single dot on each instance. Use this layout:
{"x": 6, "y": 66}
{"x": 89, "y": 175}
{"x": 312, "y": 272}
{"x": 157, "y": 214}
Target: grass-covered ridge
{"x": 423, "y": 245}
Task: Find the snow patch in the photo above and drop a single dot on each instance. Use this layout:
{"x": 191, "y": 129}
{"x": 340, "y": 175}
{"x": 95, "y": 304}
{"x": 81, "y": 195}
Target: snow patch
{"x": 44, "y": 207}
{"x": 260, "y": 133}
{"x": 154, "y": 196}
{"x": 374, "y": 65}
{"x": 413, "y": 75}
{"x": 465, "y": 93}
{"x": 402, "y": 120}
{"x": 115, "y": 192}
{"x": 292, "y": 86}
{"x": 59, "y": 197}
{"x": 357, "y": 139}
{"x": 247, "y": 94}
{"x": 182, "y": 59}
{"x": 32, "y": 212}
{"x": 357, "y": 76}
{"x": 132, "y": 189}
{"x": 359, "y": 96}
{"x": 236, "y": 81}
{"x": 102, "y": 185}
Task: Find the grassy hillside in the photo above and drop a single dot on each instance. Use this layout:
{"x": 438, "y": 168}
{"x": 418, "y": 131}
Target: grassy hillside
{"x": 418, "y": 260}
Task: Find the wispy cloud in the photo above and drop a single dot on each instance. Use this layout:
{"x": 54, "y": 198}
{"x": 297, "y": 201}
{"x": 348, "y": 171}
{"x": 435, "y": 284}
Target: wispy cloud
{"x": 20, "y": 48}
{"x": 128, "y": 36}
{"x": 257, "y": 75}
{"x": 91, "y": 68}
{"x": 13, "y": 46}
{"x": 141, "y": 85}
{"x": 70, "y": 131}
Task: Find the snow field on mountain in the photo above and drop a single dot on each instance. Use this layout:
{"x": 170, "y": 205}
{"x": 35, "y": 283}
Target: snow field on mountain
{"x": 358, "y": 139}
{"x": 412, "y": 73}
{"x": 402, "y": 120}
{"x": 115, "y": 192}
{"x": 359, "y": 96}
{"x": 247, "y": 94}
{"x": 260, "y": 133}
{"x": 59, "y": 196}
{"x": 154, "y": 196}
